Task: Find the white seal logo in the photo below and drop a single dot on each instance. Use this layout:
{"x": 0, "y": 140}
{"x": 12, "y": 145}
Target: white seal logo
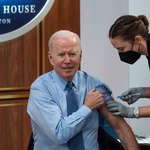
{"x": 18, "y": 17}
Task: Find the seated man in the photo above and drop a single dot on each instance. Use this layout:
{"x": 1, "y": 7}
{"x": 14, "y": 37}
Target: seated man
{"x": 52, "y": 95}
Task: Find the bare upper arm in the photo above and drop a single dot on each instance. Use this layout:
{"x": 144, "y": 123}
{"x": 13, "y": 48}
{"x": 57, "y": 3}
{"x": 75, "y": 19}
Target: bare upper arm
{"x": 116, "y": 122}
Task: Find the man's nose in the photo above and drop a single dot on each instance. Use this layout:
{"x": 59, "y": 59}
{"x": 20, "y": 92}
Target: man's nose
{"x": 67, "y": 58}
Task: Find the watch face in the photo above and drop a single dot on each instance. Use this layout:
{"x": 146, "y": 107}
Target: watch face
{"x": 136, "y": 112}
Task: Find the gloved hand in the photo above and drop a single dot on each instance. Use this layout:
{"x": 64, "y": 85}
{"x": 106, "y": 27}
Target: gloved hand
{"x": 129, "y": 98}
{"x": 119, "y": 109}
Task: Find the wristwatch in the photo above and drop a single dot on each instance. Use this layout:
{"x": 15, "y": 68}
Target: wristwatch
{"x": 136, "y": 112}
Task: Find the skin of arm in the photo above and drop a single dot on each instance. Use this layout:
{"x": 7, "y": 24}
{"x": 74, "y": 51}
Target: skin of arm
{"x": 147, "y": 92}
{"x": 122, "y": 129}
{"x": 144, "y": 111}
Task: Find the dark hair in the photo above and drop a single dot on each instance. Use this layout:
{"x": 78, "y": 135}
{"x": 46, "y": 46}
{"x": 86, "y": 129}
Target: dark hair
{"x": 128, "y": 26}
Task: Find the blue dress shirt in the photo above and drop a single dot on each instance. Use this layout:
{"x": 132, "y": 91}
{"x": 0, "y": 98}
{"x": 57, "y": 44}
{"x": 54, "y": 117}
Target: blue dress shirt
{"x": 47, "y": 107}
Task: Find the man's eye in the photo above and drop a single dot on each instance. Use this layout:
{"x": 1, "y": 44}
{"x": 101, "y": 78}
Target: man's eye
{"x": 60, "y": 55}
{"x": 72, "y": 54}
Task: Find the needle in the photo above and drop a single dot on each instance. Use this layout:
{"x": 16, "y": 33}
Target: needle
{"x": 129, "y": 96}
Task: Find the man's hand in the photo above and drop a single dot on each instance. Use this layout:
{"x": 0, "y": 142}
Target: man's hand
{"x": 119, "y": 109}
{"x": 94, "y": 99}
{"x": 132, "y": 95}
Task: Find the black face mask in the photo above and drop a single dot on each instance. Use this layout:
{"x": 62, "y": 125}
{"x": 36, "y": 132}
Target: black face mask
{"x": 129, "y": 57}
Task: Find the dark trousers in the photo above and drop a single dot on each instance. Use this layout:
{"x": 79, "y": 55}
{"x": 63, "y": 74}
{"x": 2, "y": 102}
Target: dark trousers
{"x": 105, "y": 141}
{"x": 31, "y": 143}
{"x": 108, "y": 142}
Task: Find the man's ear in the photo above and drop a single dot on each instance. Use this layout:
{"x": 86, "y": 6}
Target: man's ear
{"x": 80, "y": 55}
{"x": 50, "y": 58}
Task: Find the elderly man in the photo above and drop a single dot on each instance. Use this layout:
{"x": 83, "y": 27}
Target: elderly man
{"x": 56, "y": 124}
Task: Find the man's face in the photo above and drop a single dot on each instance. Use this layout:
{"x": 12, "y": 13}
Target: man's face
{"x": 65, "y": 57}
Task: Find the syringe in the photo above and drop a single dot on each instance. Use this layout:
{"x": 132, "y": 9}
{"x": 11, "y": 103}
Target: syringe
{"x": 129, "y": 96}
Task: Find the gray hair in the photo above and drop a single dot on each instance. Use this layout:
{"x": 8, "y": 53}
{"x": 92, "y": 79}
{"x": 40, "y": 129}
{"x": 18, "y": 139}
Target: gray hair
{"x": 63, "y": 34}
